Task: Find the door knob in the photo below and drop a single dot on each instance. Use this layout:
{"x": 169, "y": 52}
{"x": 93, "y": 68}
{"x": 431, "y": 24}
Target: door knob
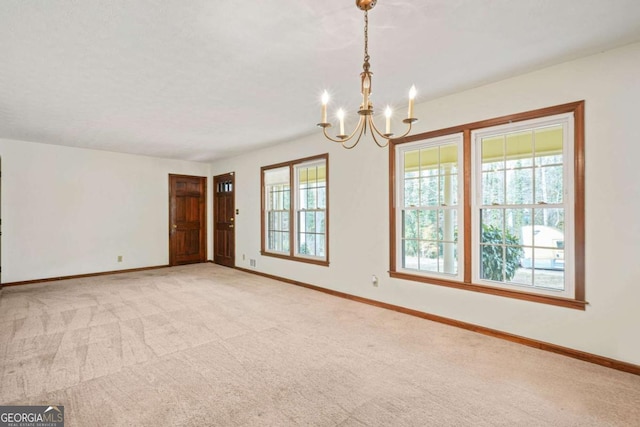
{"x": 175, "y": 226}
{"x": 231, "y": 219}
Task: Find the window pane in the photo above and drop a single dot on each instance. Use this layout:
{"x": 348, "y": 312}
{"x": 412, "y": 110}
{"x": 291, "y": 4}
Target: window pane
{"x": 549, "y": 269}
{"x": 449, "y": 159}
{"x": 549, "y": 227}
{"x": 549, "y": 184}
{"x": 448, "y": 260}
{"x": 309, "y": 246}
{"x": 411, "y": 164}
{"x": 303, "y": 199}
{"x": 548, "y": 145}
{"x": 428, "y": 256}
{"x": 312, "y": 197}
{"x": 322, "y": 197}
{"x": 320, "y": 222}
{"x": 320, "y": 246}
{"x": 514, "y": 221}
{"x": 523, "y": 276}
{"x": 493, "y": 188}
{"x": 519, "y": 149}
{"x": 411, "y": 192}
{"x": 321, "y": 174}
{"x": 410, "y": 254}
{"x": 303, "y": 176}
{"x": 448, "y": 225}
{"x": 309, "y": 222}
{"x": 492, "y": 262}
{"x": 493, "y": 153}
{"x": 448, "y": 190}
{"x": 428, "y": 225}
{"x": 429, "y": 191}
{"x": 429, "y": 163}
{"x": 519, "y": 186}
{"x": 491, "y": 222}
{"x": 410, "y": 224}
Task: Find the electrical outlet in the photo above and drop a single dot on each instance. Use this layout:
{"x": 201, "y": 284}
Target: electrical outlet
{"x": 252, "y": 262}
{"x": 119, "y": 258}
{"x": 374, "y": 280}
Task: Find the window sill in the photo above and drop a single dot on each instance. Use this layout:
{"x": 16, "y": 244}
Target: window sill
{"x": 320, "y": 262}
{"x": 526, "y": 296}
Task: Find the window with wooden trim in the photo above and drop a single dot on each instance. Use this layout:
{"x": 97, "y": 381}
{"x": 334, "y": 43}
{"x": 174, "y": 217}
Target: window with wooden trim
{"x": 429, "y": 212}
{"x": 495, "y": 206}
{"x": 295, "y": 210}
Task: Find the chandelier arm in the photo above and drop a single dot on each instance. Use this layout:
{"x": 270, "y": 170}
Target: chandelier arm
{"x": 343, "y": 140}
{"x": 361, "y": 126}
{"x": 374, "y": 131}
{"x": 326, "y": 135}
{"x": 409, "y": 123}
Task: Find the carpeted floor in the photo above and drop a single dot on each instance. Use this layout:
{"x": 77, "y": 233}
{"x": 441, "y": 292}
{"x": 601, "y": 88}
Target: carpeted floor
{"x": 204, "y": 345}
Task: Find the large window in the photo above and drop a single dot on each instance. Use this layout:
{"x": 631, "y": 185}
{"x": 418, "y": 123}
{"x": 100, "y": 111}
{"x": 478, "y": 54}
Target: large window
{"x": 494, "y": 206}
{"x": 295, "y": 217}
{"x": 430, "y": 211}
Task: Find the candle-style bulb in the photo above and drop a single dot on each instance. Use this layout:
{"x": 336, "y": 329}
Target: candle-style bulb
{"x": 325, "y": 101}
{"x": 412, "y": 96}
{"x": 387, "y": 114}
{"x": 412, "y": 92}
{"x": 325, "y": 97}
{"x": 341, "y": 118}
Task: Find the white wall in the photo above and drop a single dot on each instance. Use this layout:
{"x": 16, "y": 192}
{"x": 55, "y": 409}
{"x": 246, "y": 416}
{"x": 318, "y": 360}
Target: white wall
{"x": 68, "y": 211}
{"x": 359, "y": 235}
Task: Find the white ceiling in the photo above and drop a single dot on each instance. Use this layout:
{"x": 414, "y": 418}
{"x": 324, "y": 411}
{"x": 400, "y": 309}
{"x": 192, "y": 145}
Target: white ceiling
{"x": 206, "y": 79}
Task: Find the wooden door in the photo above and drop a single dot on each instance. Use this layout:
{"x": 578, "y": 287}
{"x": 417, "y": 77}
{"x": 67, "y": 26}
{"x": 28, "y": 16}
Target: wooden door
{"x": 223, "y": 220}
{"x": 187, "y": 219}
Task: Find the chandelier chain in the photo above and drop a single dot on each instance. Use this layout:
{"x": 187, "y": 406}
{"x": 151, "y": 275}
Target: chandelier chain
{"x": 366, "y": 38}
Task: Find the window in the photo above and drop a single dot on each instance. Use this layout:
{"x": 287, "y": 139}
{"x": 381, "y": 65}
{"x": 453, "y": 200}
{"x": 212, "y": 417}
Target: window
{"x": 520, "y": 207}
{"x": 430, "y": 208}
{"x": 295, "y": 222}
{"x": 494, "y": 206}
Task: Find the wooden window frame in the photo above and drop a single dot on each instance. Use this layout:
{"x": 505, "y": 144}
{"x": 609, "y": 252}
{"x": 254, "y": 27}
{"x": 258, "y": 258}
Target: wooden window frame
{"x": 436, "y": 142}
{"x": 293, "y": 256}
{"x": 578, "y": 301}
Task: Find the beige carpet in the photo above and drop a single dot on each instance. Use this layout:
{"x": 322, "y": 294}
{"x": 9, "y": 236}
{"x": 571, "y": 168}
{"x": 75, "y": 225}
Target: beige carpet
{"x": 206, "y": 345}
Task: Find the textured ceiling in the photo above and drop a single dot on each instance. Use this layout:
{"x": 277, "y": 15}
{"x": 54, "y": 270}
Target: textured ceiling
{"x": 202, "y": 80}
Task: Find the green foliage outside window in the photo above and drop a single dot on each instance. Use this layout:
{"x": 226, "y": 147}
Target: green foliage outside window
{"x": 492, "y": 254}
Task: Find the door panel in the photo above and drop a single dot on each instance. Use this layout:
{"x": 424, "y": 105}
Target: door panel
{"x": 224, "y": 220}
{"x": 187, "y": 219}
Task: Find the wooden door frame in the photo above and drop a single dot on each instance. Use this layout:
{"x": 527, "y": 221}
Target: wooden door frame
{"x": 213, "y": 206}
{"x": 203, "y": 218}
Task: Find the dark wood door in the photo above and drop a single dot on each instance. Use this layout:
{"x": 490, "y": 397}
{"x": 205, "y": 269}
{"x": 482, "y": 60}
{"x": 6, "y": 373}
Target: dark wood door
{"x": 224, "y": 220}
{"x": 187, "y": 219}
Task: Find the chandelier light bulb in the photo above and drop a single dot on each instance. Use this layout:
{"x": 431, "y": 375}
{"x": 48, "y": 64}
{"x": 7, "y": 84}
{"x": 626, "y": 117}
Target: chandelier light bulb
{"x": 412, "y": 92}
{"x": 412, "y": 96}
{"x": 387, "y": 114}
{"x": 325, "y": 101}
{"x": 325, "y": 97}
{"x": 341, "y": 118}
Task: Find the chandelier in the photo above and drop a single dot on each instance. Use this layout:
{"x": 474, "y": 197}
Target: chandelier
{"x": 366, "y": 108}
